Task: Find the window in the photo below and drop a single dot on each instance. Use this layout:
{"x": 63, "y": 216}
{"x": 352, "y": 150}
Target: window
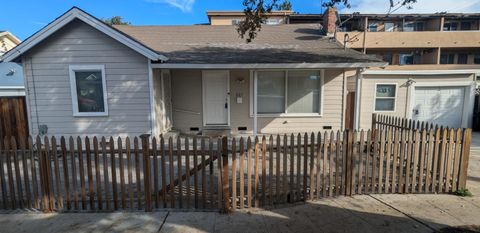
{"x": 272, "y": 21}
{"x": 388, "y": 57}
{"x": 465, "y": 26}
{"x": 385, "y": 95}
{"x": 236, "y": 21}
{"x": 476, "y": 59}
{"x": 89, "y": 97}
{"x": 447, "y": 58}
{"x": 389, "y": 26}
{"x": 372, "y": 27}
{"x": 406, "y": 59}
{"x": 413, "y": 26}
{"x": 462, "y": 58}
{"x": 450, "y": 26}
{"x": 289, "y": 92}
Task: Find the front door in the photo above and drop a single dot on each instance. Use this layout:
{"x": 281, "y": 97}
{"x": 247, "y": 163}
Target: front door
{"x": 216, "y": 98}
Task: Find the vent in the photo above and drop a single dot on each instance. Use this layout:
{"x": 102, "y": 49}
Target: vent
{"x": 327, "y": 127}
{"x": 242, "y": 128}
{"x": 194, "y": 129}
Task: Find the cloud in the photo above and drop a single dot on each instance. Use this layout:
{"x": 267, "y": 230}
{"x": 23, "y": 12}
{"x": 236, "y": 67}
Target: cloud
{"x": 422, "y": 6}
{"x": 183, "y": 5}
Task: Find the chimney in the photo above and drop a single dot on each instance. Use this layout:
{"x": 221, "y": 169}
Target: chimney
{"x": 330, "y": 21}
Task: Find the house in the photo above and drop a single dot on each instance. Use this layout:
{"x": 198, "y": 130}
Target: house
{"x": 7, "y": 41}
{"x": 84, "y": 77}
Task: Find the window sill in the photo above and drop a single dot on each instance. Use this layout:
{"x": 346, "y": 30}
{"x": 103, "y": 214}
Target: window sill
{"x": 100, "y": 114}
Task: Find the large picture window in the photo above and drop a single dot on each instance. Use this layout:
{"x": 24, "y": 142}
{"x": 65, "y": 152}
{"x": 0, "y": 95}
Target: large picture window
{"x": 88, "y": 89}
{"x": 385, "y": 95}
{"x": 285, "y": 93}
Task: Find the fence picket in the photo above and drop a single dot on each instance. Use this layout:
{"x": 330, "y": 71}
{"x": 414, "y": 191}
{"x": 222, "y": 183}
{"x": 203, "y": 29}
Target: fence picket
{"x": 97, "y": 173}
{"x": 121, "y": 167}
{"x": 249, "y": 173}
{"x": 449, "y": 160}
{"x": 456, "y": 163}
{"x": 415, "y": 157}
{"x": 256, "y": 175}
{"x": 423, "y": 156}
{"x": 138, "y": 182}
{"x": 234, "y": 174}
{"x": 242, "y": 173}
{"x": 441, "y": 168}
{"x": 82, "y": 173}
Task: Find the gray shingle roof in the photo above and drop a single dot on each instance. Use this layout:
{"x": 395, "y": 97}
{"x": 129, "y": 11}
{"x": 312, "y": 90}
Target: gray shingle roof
{"x": 205, "y": 44}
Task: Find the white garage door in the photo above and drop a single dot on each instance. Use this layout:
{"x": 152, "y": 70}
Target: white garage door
{"x": 440, "y": 105}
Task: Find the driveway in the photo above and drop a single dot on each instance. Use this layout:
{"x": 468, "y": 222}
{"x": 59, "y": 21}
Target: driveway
{"x": 366, "y": 213}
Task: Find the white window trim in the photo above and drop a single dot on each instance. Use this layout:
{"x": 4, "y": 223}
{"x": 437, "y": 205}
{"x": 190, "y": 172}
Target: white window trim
{"x": 73, "y": 89}
{"x": 321, "y": 96}
{"x": 394, "y": 98}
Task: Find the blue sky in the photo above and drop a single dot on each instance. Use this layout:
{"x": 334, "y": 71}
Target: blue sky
{"x": 24, "y": 17}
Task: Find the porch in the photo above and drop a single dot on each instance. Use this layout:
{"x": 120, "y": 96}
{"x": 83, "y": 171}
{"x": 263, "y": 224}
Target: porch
{"x": 218, "y": 102}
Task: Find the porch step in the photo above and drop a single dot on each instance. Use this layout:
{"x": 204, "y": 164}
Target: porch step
{"x": 216, "y": 131}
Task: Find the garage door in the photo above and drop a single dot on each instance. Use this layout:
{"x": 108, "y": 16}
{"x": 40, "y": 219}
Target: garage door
{"x": 440, "y": 105}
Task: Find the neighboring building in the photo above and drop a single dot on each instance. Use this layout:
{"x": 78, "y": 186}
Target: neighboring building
{"x": 234, "y": 17}
{"x": 7, "y": 41}
{"x": 84, "y": 77}
{"x": 433, "y": 61}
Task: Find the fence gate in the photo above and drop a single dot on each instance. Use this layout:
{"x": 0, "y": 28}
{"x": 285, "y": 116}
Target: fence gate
{"x": 13, "y": 118}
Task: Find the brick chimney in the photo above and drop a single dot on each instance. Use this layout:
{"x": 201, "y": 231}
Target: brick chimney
{"x": 330, "y": 21}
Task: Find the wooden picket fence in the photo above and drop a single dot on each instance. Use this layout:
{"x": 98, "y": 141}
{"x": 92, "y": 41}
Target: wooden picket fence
{"x": 84, "y": 174}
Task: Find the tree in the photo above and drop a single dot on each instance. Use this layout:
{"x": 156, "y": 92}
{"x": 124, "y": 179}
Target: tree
{"x": 256, "y": 13}
{"x": 286, "y": 5}
{"x": 115, "y": 20}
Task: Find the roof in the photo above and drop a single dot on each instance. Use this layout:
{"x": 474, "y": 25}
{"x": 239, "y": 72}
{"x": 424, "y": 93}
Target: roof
{"x": 69, "y": 16}
{"x": 11, "y": 75}
{"x": 275, "y": 44}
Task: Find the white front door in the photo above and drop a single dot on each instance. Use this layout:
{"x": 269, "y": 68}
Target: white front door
{"x": 216, "y": 97}
{"x": 439, "y": 105}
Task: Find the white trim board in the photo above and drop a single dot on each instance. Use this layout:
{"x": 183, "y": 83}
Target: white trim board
{"x": 73, "y": 89}
{"x": 69, "y": 16}
{"x": 267, "y": 65}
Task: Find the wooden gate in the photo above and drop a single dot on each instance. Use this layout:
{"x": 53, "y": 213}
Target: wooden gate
{"x": 13, "y": 118}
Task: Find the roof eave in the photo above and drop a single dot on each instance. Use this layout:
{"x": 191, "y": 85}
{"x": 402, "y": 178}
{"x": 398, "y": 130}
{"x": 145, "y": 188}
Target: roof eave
{"x": 269, "y": 65}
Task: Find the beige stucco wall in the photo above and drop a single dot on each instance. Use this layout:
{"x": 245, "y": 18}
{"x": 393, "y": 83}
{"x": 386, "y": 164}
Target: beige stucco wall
{"x": 46, "y": 69}
{"x": 187, "y": 104}
{"x": 401, "y": 109}
{"x": 422, "y": 39}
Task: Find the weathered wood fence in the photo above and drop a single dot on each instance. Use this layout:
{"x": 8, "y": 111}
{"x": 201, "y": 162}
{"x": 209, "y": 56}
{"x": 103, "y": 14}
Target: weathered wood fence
{"x": 99, "y": 174}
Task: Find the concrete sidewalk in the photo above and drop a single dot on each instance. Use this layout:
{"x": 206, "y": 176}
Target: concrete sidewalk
{"x": 367, "y": 213}
{"x": 376, "y": 213}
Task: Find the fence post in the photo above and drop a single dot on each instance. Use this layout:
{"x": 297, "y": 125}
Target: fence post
{"x": 349, "y": 168}
{"x": 44, "y": 176}
{"x": 225, "y": 181}
{"x": 146, "y": 176}
{"x": 467, "y": 138}
{"x": 374, "y": 124}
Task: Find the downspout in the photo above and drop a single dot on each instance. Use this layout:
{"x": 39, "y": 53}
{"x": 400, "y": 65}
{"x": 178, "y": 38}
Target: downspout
{"x": 356, "y": 122}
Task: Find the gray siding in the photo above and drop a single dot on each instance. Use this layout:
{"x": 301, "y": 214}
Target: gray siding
{"x": 48, "y": 83}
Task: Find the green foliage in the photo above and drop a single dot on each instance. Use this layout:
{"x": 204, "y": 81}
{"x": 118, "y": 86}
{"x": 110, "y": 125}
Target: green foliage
{"x": 286, "y": 5}
{"x": 255, "y": 12}
{"x": 463, "y": 193}
{"x": 115, "y": 20}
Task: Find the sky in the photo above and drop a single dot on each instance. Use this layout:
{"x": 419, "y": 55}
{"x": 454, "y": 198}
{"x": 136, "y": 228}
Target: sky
{"x": 25, "y": 17}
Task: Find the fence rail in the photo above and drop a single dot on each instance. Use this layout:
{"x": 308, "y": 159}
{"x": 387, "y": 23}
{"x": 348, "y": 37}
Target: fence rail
{"x": 84, "y": 174}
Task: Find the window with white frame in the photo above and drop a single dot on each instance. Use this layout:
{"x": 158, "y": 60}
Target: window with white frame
{"x": 289, "y": 92}
{"x": 88, "y": 88}
{"x": 385, "y": 95}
